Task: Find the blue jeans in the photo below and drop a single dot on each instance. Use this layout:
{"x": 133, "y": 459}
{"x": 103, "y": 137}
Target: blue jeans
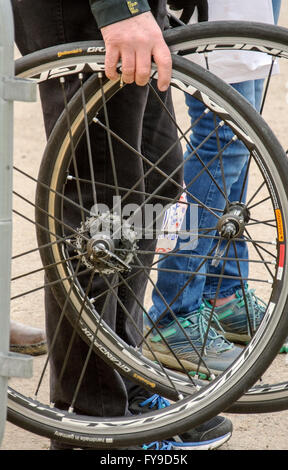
{"x": 276, "y": 9}
{"x": 183, "y": 291}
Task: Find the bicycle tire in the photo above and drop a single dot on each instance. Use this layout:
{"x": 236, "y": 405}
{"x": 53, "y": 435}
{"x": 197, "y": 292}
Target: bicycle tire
{"x": 222, "y": 35}
{"x": 236, "y": 35}
{"x": 14, "y": 413}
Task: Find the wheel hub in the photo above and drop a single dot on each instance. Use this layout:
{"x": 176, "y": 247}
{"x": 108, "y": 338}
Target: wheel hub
{"x": 232, "y": 223}
{"x": 106, "y": 243}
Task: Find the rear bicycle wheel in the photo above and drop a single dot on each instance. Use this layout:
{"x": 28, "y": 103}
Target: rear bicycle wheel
{"x": 270, "y": 394}
{"x": 212, "y": 398}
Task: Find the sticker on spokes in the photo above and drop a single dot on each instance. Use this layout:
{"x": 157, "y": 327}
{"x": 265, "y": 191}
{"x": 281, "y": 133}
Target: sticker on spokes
{"x": 171, "y": 225}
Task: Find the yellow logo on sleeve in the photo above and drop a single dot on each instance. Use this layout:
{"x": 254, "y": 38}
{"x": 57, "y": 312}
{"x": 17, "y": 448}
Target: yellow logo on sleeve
{"x": 133, "y": 7}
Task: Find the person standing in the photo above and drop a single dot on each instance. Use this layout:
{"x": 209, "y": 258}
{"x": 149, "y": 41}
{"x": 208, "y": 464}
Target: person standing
{"x": 43, "y": 24}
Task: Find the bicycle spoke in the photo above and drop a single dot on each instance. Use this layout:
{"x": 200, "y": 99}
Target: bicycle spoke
{"x": 258, "y": 247}
{"x": 43, "y": 268}
{"x": 48, "y": 284}
{"x": 141, "y": 333}
{"x": 175, "y": 318}
{"x": 57, "y": 193}
{"x": 244, "y": 294}
{"x": 259, "y": 202}
{"x": 75, "y": 166}
{"x": 74, "y": 335}
{"x": 183, "y": 135}
{"x": 224, "y": 192}
{"x": 89, "y": 150}
{"x": 268, "y": 81}
{"x": 265, "y": 222}
{"x": 255, "y": 194}
{"x": 259, "y": 244}
{"x": 71, "y": 229}
{"x": 56, "y": 332}
{"x": 214, "y": 300}
{"x": 245, "y": 180}
{"x": 110, "y": 145}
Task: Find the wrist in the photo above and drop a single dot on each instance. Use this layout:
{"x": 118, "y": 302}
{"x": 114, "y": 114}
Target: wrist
{"x": 111, "y": 11}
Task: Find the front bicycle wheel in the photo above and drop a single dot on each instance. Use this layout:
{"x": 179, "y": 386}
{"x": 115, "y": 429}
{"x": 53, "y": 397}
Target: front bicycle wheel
{"x": 61, "y": 245}
{"x": 270, "y": 394}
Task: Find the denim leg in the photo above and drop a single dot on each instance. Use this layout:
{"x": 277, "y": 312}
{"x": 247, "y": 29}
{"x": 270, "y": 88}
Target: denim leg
{"x": 169, "y": 284}
{"x": 235, "y": 160}
{"x": 276, "y": 4}
{"x": 205, "y": 190}
{"x": 252, "y": 91}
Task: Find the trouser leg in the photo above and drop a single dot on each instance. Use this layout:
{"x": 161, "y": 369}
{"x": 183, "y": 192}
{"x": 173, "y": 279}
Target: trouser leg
{"x": 43, "y": 24}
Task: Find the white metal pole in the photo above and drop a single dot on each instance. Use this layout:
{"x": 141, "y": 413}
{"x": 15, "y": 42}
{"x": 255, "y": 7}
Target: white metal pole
{"x": 11, "y": 89}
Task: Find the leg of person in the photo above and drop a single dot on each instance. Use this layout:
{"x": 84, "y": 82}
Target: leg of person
{"x": 204, "y": 189}
{"x": 39, "y": 26}
{"x": 276, "y": 4}
{"x": 230, "y": 303}
{"x": 103, "y": 392}
{"x": 213, "y": 433}
{"x": 252, "y": 90}
{"x": 108, "y": 384}
{"x": 230, "y": 290}
{"x": 230, "y": 308}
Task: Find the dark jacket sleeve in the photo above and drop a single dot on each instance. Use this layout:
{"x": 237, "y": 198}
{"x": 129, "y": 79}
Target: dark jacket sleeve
{"x": 110, "y": 11}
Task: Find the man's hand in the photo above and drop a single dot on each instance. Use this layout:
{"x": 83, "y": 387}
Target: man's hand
{"x": 135, "y": 41}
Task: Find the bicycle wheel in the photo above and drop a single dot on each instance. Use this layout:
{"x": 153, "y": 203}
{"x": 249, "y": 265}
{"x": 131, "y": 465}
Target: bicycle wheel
{"x": 271, "y": 393}
{"x": 211, "y": 37}
{"x": 212, "y": 397}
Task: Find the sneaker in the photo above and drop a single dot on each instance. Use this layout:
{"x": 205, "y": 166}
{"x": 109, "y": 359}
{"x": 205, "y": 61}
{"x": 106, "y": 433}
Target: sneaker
{"x": 284, "y": 348}
{"x": 207, "y": 436}
{"x": 217, "y": 355}
{"x": 232, "y": 319}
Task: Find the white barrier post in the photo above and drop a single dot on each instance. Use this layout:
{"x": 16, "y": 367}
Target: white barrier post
{"x": 11, "y": 89}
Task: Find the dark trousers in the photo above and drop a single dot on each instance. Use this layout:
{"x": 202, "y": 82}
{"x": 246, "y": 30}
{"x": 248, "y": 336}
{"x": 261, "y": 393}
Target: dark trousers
{"x": 40, "y": 24}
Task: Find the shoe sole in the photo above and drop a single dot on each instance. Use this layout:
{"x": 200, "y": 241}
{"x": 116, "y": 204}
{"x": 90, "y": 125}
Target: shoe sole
{"x": 36, "y": 349}
{"x": 244, "y": 339}
{"x": 235, "y": 338}
{"x": 169, "y": 361}
{"x": 205, "y": 445}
